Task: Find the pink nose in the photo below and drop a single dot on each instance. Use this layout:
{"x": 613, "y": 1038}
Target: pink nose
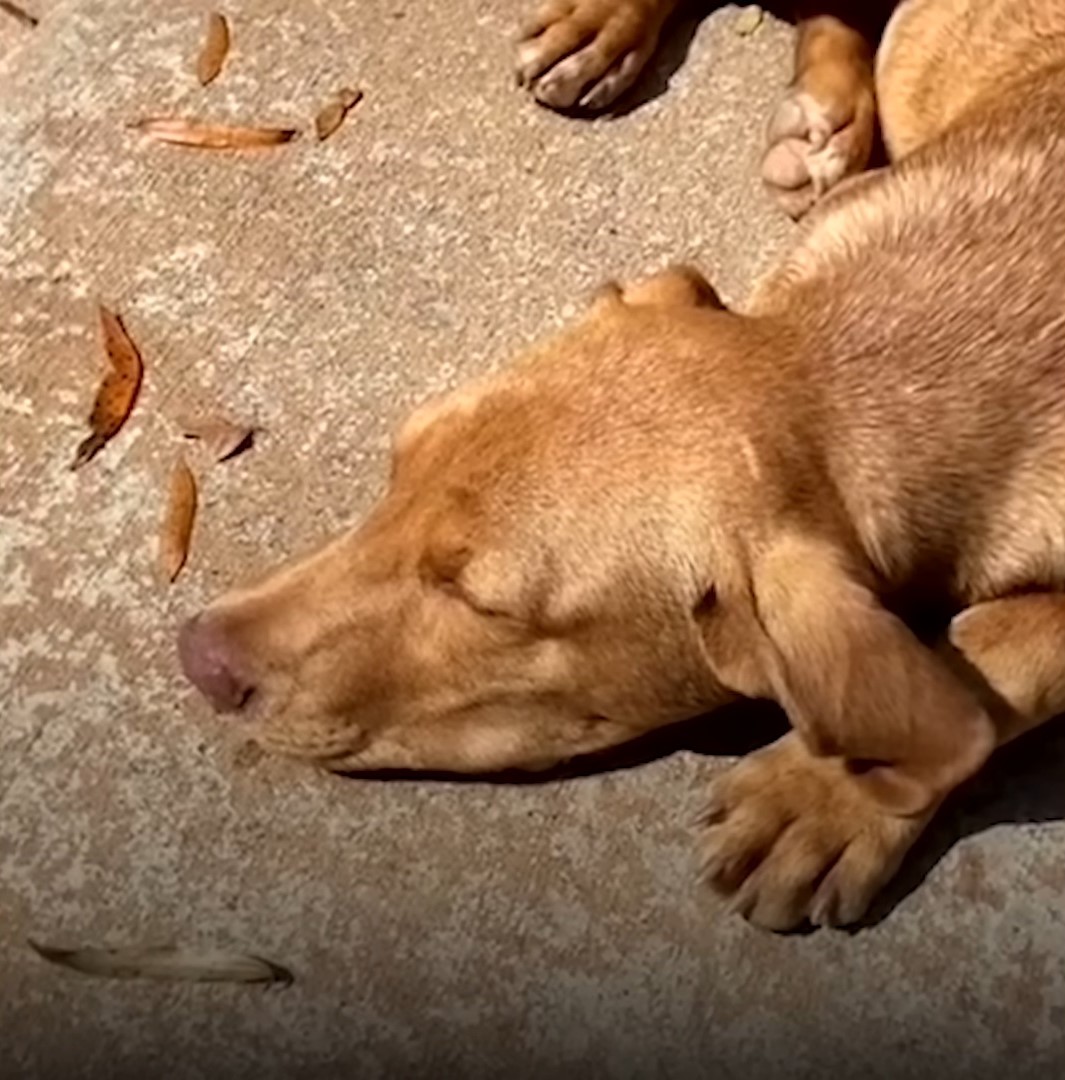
{"x": 208, "y": 660}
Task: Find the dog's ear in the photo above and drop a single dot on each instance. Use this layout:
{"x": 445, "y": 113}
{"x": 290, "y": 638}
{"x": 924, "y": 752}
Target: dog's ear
{"x": 856, "y": 683}
{"x": 677, "y": 286}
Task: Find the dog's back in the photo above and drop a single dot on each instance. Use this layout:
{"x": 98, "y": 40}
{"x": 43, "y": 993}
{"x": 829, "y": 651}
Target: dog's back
{"x": 949, "y": 270}
{"x": 941, "y": 59}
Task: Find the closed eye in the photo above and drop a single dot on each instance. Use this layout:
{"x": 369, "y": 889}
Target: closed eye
{"x": 478, "y": 605}
{"x": 443, "y": 569}
{"x": 455, "y": 588}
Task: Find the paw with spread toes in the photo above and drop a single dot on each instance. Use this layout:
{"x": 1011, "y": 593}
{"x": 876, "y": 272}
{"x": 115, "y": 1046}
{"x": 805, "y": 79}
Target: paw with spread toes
{"x": 584, "y": 54}
{"x": 791, "y": 838}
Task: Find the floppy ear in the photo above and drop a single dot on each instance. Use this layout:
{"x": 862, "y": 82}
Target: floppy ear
{"x": 857, "y": 683}
{"x": 676, "y": 286}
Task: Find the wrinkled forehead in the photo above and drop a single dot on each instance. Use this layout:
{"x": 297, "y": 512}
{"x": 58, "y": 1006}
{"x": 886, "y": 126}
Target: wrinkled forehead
{"x": 554, "y": 392}
{"x": 501, "y": 492}
{"x": 485, "y": 442}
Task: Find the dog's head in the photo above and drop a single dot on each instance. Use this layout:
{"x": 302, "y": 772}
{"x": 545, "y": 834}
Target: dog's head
{"x": 533, "y": 585}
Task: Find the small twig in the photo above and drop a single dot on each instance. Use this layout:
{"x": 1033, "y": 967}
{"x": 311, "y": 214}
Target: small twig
{"x": 16, "y": 12}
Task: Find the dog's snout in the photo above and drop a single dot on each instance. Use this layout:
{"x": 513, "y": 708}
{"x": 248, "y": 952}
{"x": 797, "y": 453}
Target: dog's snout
{"x": 210, "y": 662}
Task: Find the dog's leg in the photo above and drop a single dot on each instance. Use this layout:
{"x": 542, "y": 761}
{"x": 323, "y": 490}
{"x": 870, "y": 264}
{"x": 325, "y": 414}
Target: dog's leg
{"x": 791, "y": 836}
{"x": 824, "y": 128}
{"x": 586, "y": 53}
{"x": 1015, "y": 650}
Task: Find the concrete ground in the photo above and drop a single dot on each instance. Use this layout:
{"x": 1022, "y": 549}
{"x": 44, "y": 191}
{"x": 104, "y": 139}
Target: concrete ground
{"x": 434, "y": 929}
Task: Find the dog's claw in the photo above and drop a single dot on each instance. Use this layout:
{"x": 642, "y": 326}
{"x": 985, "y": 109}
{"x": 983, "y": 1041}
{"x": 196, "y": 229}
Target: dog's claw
{"x": 587, "y": 53}
{"x": 800, "y": 841}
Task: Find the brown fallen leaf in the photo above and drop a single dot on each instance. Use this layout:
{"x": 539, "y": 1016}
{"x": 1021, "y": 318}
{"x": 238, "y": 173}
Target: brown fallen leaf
{"x": 206, "y": 136}
{"x": 215, "y": 49}
{"x": 222, "y": 438}
{"x": 118, "y": 389}
{"x": 176, "y": 533}
{"x": 332, "y": 114}
{"x": 168, "y": 964}
{"x": 19, "y": 13}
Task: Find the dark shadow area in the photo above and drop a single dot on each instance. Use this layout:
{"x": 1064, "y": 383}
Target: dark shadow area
{"x": 680, "y": 31}
{"x": 731, "y": 732}
{"x": 869, "y": 17}
{"x": 668, "y": 58}
{"x": 1024, "y": 784}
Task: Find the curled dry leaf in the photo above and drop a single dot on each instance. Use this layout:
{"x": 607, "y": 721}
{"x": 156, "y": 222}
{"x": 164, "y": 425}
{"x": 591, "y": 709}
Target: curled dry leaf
{"x": 18, "y": 12}
{"x": 748, "y": 20}
{"x": 205, "y": 136}
{"x": 333, "y": 113}
{"x": 221, "y": 437}
{"x": 167, "y": 963}
{"x": 215, "y": 49}
{"x": 180, "y": 516}
{"x": 118, "y": 389}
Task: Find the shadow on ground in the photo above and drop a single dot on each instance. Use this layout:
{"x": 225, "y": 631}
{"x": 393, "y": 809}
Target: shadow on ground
{"x": 668, "y": 59}
{"x": 1022, "y": 785}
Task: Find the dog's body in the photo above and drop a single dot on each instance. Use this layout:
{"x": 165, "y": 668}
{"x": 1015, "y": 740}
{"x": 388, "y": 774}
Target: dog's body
{"x": 671, "y": 506}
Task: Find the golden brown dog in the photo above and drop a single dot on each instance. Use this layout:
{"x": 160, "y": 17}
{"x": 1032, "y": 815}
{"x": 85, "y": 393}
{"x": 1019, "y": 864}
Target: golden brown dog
{"x": 584, "y": 54}
{"x": 671, "y": 506}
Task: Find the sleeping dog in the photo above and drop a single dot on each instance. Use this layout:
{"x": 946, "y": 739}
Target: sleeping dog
{"x": 671, "y": 506}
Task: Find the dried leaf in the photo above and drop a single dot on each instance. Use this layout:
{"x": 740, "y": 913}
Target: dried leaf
{"x": 748, "y": 20}
{"x": 223, "y": 438}
{"x": 215, "y": 49}
{"x": 19, "y": 13}
{"x": 176, "y": 532}
{"x": 167, "y": 963}
{"x": 328, "y": 120}
{"x": 173, "y": 129}
{"x": 349, "y": 96}
{"x": 332, "y": 114}
{"x": 118, "y": 390}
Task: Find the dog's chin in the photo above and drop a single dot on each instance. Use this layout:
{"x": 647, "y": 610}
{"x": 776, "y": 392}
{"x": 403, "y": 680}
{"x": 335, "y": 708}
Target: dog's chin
{"x": 288, "y": 727}
{"x": 383, "y": 756}
{"x": 309, "y": 739}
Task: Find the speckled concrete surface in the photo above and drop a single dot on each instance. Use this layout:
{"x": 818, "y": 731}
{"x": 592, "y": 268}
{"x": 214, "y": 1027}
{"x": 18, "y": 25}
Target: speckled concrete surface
{"x": 434, "y": 929}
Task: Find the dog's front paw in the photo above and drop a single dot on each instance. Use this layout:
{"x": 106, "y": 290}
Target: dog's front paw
{"x": 821, "y": 132}
{"x": 791, "y": 838}
{"x": 586, "y": 53}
